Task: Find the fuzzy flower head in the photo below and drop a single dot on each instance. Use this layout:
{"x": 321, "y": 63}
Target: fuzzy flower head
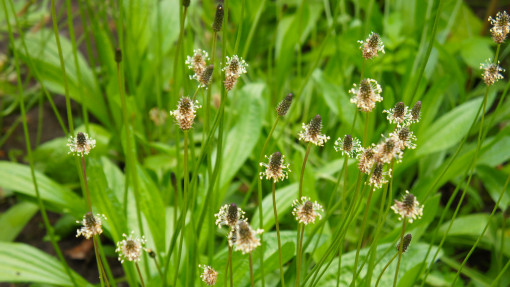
{"x": 399, "y": 114}
{"x": 197, "y": 63}
{"x": 81, "y": 144}
{"x": 366, "y": 159}
{"x": 491, "y": 72}
{"x": 205, "y": 78}
{"x": 500, "y": 27}
{"x": 234, "y": 68}
{"x": 185, "y": 113}
{"x": 284, "y": 106}
{"x": 409, "y": 208}
{"x": 405, "y": 243}
{"x": 388, "y": 150}
{"x": 209, "y": 275}
{"x": 130, "y": 248}
{"x": 306, "y": 211}
{"x": 275, "y": 169}
{"x": 244, "y": 237}
{"x": 368, "y": 93}
{"x": 92, "y": 225}
{"x": 349, "y": 146}
{"x": 312, "y": 132}
{"x": 404, "y": 138}
{"x": 415, "y": 113}
{"x": 371, "y": 46}
{"x": 229, "y": 215}
{"x": 379, "y": 176}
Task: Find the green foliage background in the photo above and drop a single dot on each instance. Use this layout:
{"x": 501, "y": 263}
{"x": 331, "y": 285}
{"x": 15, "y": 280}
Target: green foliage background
{"x": 290, "y": 46}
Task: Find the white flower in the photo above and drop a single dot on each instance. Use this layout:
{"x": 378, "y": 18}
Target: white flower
{"x": 130, "y": 248}
{"x": 81, "y": 144}
{"x": 276, "y": 169}
{"x": 229, "y": 215}
{"x": 244, "y": 237}
{"x": 185, "y": 113}
{"x": 312, "y": 132}
{"x": 371, "y": 46}
{"x": 366, "y": 95}
{"x": 409, "y": 208}
{"x": 306, "y": 211}
{"x": 209, "y": 275}
{"x": 92, "y": 225}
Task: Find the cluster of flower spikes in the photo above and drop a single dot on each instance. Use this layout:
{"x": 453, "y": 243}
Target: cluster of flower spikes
{"x": 372, "y": 160}
{"x": 241, "y": 235}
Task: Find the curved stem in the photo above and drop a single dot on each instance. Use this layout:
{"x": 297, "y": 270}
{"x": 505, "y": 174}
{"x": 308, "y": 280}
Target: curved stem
{"x": 384, "y": 269}
{"x": 300, "y": 254}
{"x": 278, "y": 235}
{"x": 230, "y": 264}
{"x": 140, "y": 274}
{"x": 400, "y": 250}
{"x": 184, "y": 212}
{"x": 360, "y": 240}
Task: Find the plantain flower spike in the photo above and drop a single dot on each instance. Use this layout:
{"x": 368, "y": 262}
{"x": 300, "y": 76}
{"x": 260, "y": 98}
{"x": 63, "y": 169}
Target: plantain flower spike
{"x": 371, "y": 46}
{"x": 491, "y": 72}
{"x": 500, "y": 27}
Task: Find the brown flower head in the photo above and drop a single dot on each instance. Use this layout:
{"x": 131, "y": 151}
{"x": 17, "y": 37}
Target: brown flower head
{"x": 229, "y": 215}
{"x": 368, "y": 93}
{"x": 306, "y": 211}
{"x": 399, "y": 114}
{"x": 500, "y": 27}
{"x": 92, "y": 225}
{"x": 371, "y": 46}
{"x": 234, "y": 68}
{"x": 378, "y": 177}
{"x": 81, "y": 144}
{"x": 244, "y": 237}
{"x": 409, "y": 208}
{"x": 130, "y": 248}
{"x": 185, "y": 113}
{"x": 197, "y": 63}
{"x": 366, "y": 159}
{"x": 491, "y": 72}
{"x": 406, "y": 242}
{"x": 312, "y": 132}
{"x": 275, "y": 169}
{"x": 209, "y": 275}
{"x": 349, "y": 146}
{"x": 284, "y": 106}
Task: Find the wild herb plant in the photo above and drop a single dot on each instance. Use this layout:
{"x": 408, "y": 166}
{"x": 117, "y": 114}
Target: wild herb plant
{"x": 171, "y": 106}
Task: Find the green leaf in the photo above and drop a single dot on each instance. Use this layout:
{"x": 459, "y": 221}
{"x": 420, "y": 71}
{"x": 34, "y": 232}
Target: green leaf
{"x": 244, "y": 135}
{"x": 44, "y": 53}
{"x": 23, "y": 263}
{"x": 413, "y": 257}
{"x": 448, "y": 130}
{"x": 17, "y": 177}
{"x": 494, "y": 180}
{"x": 476, "y": 50}
{"x": 15, "y": 218}
{"x": 470, "y": 225}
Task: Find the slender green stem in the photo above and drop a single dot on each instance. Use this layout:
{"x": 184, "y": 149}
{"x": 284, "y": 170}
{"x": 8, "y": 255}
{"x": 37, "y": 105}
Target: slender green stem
{"x": 300, "y": 255}
{"x": 470, "y": 171}
{"x": 102, "y": 273}
{"x": 384, "y": 269}
{"x": 344, "y": 194}
{"x": 360, "y": 239}
{"x": 501, "y": 273}
{"x": 496, "y": 206}
{"x": 230, "y": 266}
{"x": 260, "y": 199}
{"x": 303, "y": 170}
{"x": 282, "y": 275}
{"x": 62, "y": 67}
{"x": 42, "y": 208}
{"x": 363, "y": 69}
{"x": 85, "y": 181}
{"x": 76, "y": 63}
{"x": 252, "y": 283}
{"x": 400, "y": 250}
{"x": 185, "y": 210}
{"x": 140, "y": 274}
{"x": 365, "y": 132}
